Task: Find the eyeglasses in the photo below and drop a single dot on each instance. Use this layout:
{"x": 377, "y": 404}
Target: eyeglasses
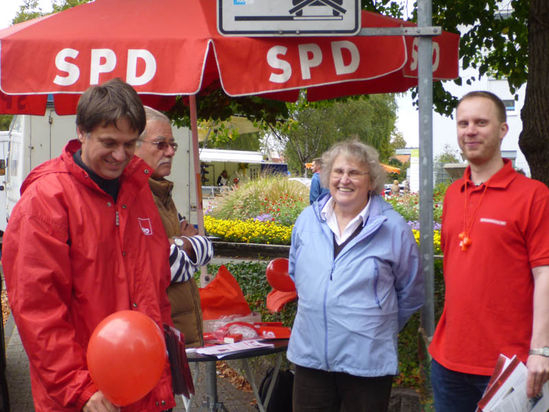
{"x": 164, "y": 145}
{"x": 353, "y": 174}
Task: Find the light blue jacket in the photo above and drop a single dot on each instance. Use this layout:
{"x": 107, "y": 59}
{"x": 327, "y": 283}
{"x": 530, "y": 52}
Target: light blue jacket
{"x": 351, "y": 308}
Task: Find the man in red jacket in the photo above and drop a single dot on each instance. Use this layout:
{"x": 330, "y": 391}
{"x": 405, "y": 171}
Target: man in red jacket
{"x": 84, "y": 241}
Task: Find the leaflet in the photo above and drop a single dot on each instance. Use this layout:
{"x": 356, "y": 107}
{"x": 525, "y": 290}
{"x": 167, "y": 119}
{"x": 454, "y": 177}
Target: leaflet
{"x": 220, "y": 351}
{"x": 506, "y": 391}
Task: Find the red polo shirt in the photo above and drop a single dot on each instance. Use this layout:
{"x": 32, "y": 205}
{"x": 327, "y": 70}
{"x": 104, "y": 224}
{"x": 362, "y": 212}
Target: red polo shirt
{"x": 489, "y": 287}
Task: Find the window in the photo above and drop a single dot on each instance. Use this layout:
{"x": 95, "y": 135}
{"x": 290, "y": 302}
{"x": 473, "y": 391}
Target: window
{"x": 509, "y": 105}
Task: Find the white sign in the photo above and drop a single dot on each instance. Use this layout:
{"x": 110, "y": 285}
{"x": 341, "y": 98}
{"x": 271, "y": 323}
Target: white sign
{"x": 288, "y": 17}
{"x": 413, "y": 171}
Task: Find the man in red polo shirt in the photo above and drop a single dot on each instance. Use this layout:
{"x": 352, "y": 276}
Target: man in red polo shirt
{"x": 495, "y": 239}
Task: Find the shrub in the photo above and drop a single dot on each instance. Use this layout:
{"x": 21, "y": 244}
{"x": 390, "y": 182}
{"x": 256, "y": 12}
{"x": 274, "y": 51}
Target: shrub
{"x": 270, "y": 198}
{"x": 408, "y": 205}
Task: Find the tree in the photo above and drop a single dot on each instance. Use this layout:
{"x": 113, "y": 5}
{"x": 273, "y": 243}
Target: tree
{"x": 398, "y": 141}
{"x": 5, "y": 121}
{"x": 314, "y": 127}
{"x": 534, "y": 138}
{"x": 448, "y": 155}
{"x": 30, "y": 9}
{"x": 27, "y": 11}
{"x": 507, "y": 40}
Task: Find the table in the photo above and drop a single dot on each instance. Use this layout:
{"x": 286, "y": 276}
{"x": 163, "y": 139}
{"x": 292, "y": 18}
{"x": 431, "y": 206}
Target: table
{"x": 213, "y": 405}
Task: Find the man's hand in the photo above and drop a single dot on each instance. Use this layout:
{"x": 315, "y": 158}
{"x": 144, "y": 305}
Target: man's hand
{"x": 538, "y": 374}
{"x": 538, "y": 366}
{"x": 187, "y": 229}
{"x": 98, "y": 403}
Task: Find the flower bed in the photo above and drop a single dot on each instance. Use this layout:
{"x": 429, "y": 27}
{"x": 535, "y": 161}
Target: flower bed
{"x": 248, "y": 231}
{"x": 264, "y": 211}
{"x": 270, "y": 199}
{"x": 270, "y": 233}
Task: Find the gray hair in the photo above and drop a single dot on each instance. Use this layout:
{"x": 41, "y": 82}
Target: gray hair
{"x": 151, "y": 114}
{"x": 362, "y": 153}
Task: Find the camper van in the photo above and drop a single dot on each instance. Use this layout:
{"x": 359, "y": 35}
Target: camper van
{"x": 32, "y": 140}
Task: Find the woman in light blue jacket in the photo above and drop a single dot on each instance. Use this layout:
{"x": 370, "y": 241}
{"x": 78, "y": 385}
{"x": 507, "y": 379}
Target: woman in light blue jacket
{"x": 356, "y": 267}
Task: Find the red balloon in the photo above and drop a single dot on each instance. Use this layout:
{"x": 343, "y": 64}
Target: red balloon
{"x": 126, "y": 356}
{"x": 278, "y": 276}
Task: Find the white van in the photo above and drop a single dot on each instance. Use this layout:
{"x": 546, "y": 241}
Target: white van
{"x": 32, "y": 140}
{"x": 4, "y": 142}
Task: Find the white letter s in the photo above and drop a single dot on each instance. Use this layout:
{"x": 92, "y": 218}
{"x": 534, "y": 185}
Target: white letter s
{"x": 72, "y": 70}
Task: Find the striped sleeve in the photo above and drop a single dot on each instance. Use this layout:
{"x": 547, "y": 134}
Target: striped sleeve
{"x": 181, "y": 265}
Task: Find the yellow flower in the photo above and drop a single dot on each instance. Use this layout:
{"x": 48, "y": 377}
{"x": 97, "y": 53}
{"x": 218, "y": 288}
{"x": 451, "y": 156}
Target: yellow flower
{"x": 249, "y": 231}
{"x": 436, "y": 240}
{"x": 254, "y": 231}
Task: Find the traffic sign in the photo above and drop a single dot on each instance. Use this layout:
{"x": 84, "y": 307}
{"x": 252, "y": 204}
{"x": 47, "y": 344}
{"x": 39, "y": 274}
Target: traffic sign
{"x": 288, "y": 17}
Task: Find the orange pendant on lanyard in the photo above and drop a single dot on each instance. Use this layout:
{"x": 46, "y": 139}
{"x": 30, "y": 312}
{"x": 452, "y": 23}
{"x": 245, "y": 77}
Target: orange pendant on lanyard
{"x": 465, "y": 237}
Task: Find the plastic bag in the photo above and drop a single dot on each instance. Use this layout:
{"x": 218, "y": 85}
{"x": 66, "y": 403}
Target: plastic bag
{"x": 211, "y": 325}
{"x": 223, "y": 297}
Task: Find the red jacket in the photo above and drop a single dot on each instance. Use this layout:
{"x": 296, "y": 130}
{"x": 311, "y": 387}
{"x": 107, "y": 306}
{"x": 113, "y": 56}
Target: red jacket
{"x": 71, "y": 256}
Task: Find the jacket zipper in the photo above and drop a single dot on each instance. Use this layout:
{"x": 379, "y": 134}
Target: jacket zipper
{"x": 326, "y": 318}
{"x": 376, "y": 278}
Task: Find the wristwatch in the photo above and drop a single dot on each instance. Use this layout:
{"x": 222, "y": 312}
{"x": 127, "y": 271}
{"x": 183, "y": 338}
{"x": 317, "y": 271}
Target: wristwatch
{"x": 179, "y": 242}
{"x": 540, "y": 351}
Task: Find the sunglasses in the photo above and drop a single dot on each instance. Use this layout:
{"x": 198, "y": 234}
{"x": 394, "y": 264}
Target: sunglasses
{"x": 164, "y": 145}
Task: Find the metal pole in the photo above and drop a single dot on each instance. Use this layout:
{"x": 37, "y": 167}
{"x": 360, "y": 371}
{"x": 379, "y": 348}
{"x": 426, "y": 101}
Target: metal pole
{"x": 211, "y": 387}
{"x": 204, "y": 277}
{"x": 196, "y": 160}
{"x": 425, "y": 91}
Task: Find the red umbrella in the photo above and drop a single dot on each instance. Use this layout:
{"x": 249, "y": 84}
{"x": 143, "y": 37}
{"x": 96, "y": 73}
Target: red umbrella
{"x": 172, "y": 47}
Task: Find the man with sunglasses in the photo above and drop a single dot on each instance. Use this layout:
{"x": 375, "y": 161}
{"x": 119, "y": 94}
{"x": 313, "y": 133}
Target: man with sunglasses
{"x": 188, "y": 252}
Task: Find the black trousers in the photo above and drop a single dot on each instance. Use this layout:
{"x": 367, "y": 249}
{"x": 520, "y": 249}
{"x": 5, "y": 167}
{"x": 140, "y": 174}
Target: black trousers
{"x": 320, "y": 391}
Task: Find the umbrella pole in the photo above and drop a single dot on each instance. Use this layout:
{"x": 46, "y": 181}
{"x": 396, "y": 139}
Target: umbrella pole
{"x": 204, "y": 277}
